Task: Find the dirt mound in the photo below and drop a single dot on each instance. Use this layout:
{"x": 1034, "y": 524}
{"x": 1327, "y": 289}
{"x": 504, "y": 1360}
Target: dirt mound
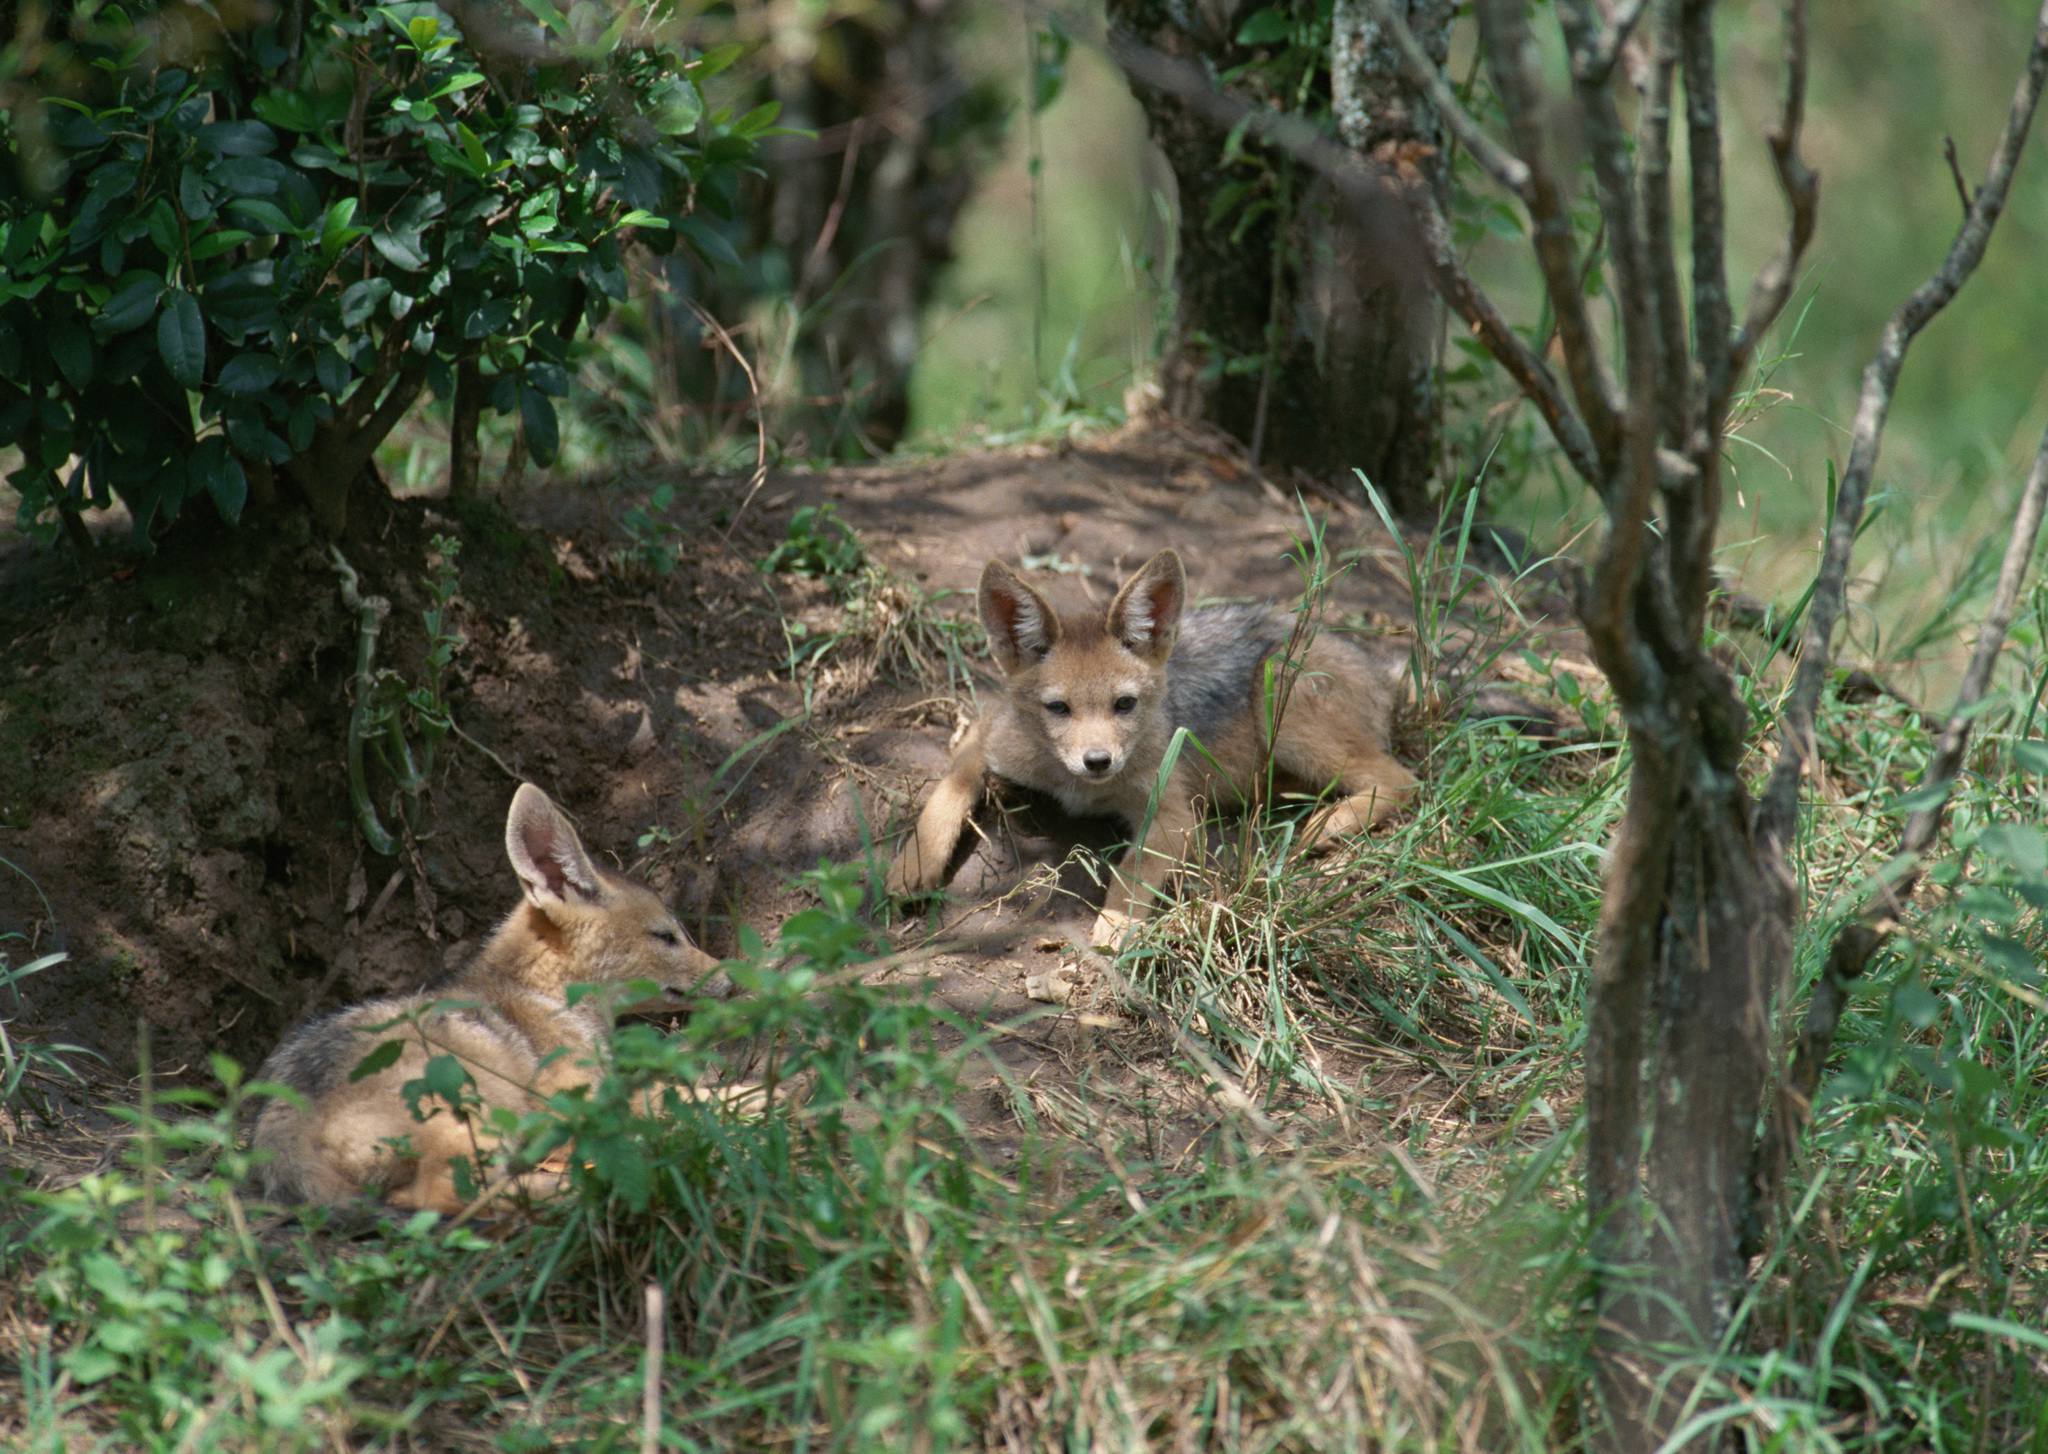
{"x": 173, "y": 783}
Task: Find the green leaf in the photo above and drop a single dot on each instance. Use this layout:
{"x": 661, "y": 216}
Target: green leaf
{"x": 543, "y": 434}
{"x": 268, "y": 216}
{"x": 249, "y": 373}
{"x": 89, "y": 1364}
{"x": 382, "y": 1058}
{"x": 131, "y": 307}
{"x": 1927, "y": 795}
{"x": 473, "y": 149}
{"x": 359, "y": 300}
{"x": 759, "y": 119}
{"x": 709, "y": 242}
{"x": 547, "y": 15}
{"x": 2022, "y": 847}
{"x": 1264, "y": 27}
{"x": 489, "y": 318}
{"x": 675, "y": 107}
{"x": 713, "y": 61}
{"x": 1916, "y": 1005}
{"x": 335, "y": 231}
{"x": 71, "y": 347}
{"x": 216, "y": 470}
{"x": 332, "y": 370}
{"x": 229, "y": 487}
{"x": 216, "y": 243}
{"x": 286, "y": 110}
{"x": 181, "y": 338}
{"x": 237, "y": 138}
{"x": 462, "y": 81}
{"x": 401, "y": 251}
{"x": 446, "y": 1078}
{"x": 2019, "y": 1333}
{"x": 2031, "y": 754}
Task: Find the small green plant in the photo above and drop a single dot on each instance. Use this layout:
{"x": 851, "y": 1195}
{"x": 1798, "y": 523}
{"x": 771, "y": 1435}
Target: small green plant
{"x": 654, "y": 540}
{"x": 24, "y": 1063}
{"x": 818, "y": 543}
{"x": 155, "y": 1313}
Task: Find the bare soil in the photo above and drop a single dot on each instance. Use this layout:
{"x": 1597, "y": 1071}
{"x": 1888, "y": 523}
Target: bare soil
{"x": 174, "y": 812}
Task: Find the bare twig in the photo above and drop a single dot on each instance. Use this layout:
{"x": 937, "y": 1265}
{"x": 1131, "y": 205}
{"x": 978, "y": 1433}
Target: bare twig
{"x": 650, "y": 1372}
{"x": 1523, "y": 364}
{"x": 754, "y": 482}
{"x": 1955, "y": 171}
{"x": 1778, "y": 811}
{"x": 1860, "y": 939}
{"x": 1511, "y": 56}
{"x": 1773, "y": 285}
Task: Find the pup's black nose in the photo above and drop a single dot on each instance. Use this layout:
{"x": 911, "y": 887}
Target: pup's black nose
{"x": 1097, "y": 761}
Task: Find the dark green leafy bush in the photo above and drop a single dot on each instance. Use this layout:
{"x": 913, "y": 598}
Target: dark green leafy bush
{"x": 232, "y": 258}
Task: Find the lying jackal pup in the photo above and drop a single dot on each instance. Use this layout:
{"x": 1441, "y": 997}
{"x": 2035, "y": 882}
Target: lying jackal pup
{"x": 1092, "y": 703}
{"x": 501, "y": 1017}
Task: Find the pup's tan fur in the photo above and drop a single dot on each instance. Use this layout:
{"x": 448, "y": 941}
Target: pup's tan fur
{"x": 502, "y": 1017}
{"x": 1092, "y": 703}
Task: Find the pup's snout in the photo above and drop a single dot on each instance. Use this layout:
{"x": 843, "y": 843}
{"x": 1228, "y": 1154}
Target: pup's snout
{"x": 1096, "y": 760}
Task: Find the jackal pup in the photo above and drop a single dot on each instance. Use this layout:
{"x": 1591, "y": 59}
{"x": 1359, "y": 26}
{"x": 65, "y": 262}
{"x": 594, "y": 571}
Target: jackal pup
{"x": 502, "y": 1017}
{"x": 1092, "y": 704}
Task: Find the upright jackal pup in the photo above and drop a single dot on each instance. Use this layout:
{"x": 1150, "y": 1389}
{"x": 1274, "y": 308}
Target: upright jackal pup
{"x": 1092, "y": 703}
{"x": 502, "y": 1016}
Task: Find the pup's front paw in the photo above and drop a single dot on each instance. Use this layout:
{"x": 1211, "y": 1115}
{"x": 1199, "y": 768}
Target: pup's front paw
{"x": 1111, "y": 928}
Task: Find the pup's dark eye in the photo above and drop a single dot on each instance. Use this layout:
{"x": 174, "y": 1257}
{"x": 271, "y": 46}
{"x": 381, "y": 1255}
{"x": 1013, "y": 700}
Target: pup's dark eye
{"x": 1127, "y": 704}
{"x": 668, "y": 937}
{"x": 1059, "y": 709}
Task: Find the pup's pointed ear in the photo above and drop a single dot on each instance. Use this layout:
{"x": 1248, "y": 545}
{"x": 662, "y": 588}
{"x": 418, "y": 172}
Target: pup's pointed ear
{"x": 1146, "y": 613}
{"x": 547, "y": 855}
{"x": 1021, "y": 626}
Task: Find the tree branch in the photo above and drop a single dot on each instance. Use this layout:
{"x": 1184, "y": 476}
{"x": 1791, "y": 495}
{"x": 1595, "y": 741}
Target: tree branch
{"x": 1621, "y": 25}
{"x": 1778, "y": 812}
{"x": 1493, "y": 158}
{"x": 1711, "y": 312}
{"x": 1858, "y": 941}
{"x": 1658, "y": 232}
{"x": 1368, "y": 187}
{"x": 1510, "y": 55}
{"x": 1772, "y": 286}
{"x": 1522, "y": 363}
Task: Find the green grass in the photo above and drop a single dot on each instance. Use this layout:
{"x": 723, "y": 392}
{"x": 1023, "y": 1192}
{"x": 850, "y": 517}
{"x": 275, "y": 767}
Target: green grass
{"x": 1337, "y": 1204}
